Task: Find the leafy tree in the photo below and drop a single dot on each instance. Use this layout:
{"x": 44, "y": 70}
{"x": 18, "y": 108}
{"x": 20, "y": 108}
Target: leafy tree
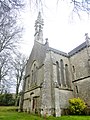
{"x": 77, "y": 106}
{"x": 6, "y": 99}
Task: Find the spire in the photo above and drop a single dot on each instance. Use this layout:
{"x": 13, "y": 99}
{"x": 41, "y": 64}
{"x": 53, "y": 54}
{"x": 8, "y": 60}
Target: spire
{"x": 39, "y": 29}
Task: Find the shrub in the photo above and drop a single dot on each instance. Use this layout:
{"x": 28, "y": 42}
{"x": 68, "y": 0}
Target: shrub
{"x": 77, "y": 106}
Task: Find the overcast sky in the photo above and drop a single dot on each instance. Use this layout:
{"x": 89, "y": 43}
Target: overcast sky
{"x": 63, "y": 28}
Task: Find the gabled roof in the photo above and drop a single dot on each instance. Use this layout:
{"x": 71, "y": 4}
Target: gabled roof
{"x": 77, "y": 49}
{"x": 58, "y": 52}
{"x": 72, "y": 52}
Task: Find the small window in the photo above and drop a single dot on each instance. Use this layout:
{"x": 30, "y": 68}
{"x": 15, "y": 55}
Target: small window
{"x": 76, "y": 89}
{"x": 57, "y": 62}
{"x": 66, "y": 65}
{"x": 62, "y": 64}
{"x": 73, "y": 69}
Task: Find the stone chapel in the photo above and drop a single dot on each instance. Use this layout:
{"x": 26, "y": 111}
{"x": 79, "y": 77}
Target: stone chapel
{"x": 53, "y": 77}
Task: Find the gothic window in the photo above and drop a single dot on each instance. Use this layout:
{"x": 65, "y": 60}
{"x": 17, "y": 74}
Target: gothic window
{"x": 58, "y": 72}
{"x": 34, "y": 71}
{"x": 32, "y": 77}
{"x": 74, "y": 72}
{"x": 25, "y": 84}
{"x": 73, "y": 69}
{"x": 62, "y": 73}
{"x": 67, "y": 75}
{"x": 76, "y": 88}
{"x": 28, "y": 83}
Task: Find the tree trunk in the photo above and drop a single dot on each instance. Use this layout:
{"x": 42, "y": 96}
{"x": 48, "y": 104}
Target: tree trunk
{"x": 22, "y": 96}
{"x": 17, "y": 96}
{"x": 0, "y": 81}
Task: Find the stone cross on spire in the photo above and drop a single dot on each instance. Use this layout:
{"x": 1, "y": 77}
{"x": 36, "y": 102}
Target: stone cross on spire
{"x": 39, "y": 29}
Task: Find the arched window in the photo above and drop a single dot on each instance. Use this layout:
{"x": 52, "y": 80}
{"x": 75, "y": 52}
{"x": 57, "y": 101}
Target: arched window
{"x": 76, "y": 88}
{"x": 73, "y": 68}
{"x": 74, "y": 72}
{"x": 62, "y": 73}
{"x": 58, "y": 73}
{"x": 67, "y": 76}
{"x": 35, "y": 73}
{"x": 32, "y": 77}
{"x": 28, "y": 83}
{"x": 34, "y": 70}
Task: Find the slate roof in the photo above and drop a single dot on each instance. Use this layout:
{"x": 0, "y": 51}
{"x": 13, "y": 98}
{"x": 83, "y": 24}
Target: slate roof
{"x": 58, "y": 52}
{"x": 77, "y": 49}
{"x": 72, "y": 52}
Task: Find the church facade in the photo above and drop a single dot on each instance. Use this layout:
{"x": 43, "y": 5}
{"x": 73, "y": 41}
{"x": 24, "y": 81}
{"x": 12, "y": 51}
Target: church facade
{"x": 53, "y": 77}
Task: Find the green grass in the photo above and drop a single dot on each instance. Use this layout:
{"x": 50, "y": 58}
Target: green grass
{"x": 72, "y": 118}
{"x": 6, "y": 109}
{"x": 9, "y": 113}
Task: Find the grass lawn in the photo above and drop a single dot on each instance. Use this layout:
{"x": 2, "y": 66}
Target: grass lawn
{"x": 8, "y": 113}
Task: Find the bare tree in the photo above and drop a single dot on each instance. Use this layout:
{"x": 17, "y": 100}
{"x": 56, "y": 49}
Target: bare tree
{"x": 8, "y": 20}
{"x": 78, "y": 5}
{"x": 9, "y": 37}
{"x": 10, "y": 34}
{"x": 4, "y": 71}
{"x": 19, "y": 64}
{"x": 83, "y": 5}
{"x": 7, "y": 5}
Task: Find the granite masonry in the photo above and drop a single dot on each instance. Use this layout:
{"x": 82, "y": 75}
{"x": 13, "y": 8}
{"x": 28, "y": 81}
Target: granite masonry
{"x": 53, "y": 77}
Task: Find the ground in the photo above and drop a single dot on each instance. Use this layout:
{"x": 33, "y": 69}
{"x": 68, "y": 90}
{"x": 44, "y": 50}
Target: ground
{"x": 9, "y": 113}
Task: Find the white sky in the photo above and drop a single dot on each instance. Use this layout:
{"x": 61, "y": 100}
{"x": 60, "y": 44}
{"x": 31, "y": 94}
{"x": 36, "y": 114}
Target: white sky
{"x": 63, "y": 32}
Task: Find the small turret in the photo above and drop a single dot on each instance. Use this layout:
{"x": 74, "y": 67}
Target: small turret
{"x": 88, "y": 45}
{"x": 39, "y": 29}
{"x": 87, "y": 39}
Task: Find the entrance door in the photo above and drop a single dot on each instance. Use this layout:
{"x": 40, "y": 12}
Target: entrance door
{"x": 36, "y": 104}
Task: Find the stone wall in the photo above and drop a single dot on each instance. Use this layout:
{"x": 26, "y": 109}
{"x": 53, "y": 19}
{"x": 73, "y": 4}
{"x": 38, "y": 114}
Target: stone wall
{"x": 61, "y": 100}
{"x": 83, "y": 90}
{"x": 35, "y": 80}
{"x": 61, "y": 94}
{"x": 46, "y": 98}
{"x": 28, "y": 100}
{"x": 81, "y": 74}
{"x": 79, "y": 64}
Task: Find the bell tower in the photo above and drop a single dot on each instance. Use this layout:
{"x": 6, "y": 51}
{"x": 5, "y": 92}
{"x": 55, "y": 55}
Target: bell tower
{"x": 39, "y": 29}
